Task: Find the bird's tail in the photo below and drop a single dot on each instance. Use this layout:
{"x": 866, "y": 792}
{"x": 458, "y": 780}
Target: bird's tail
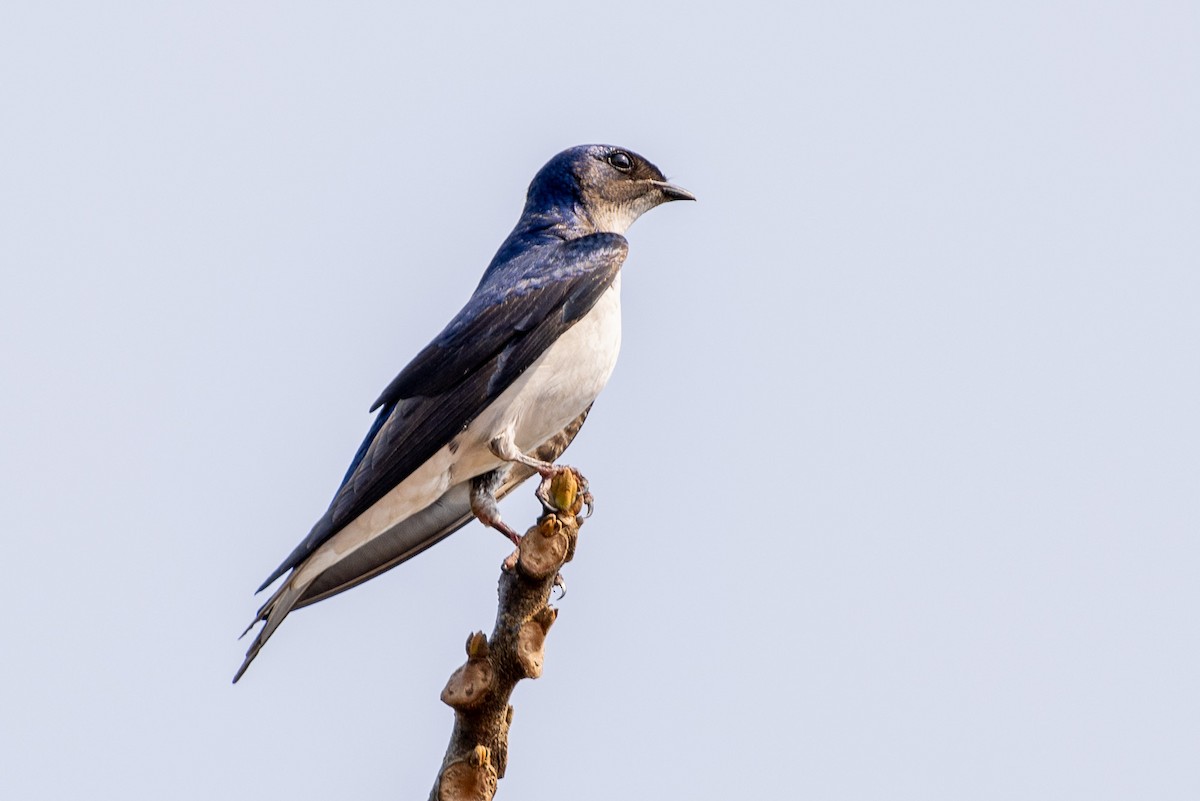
{"x": 272, "y": 614}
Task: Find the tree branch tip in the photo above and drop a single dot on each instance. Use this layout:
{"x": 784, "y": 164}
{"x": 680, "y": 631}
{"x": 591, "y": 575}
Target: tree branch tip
{"x": 479, "y": 690}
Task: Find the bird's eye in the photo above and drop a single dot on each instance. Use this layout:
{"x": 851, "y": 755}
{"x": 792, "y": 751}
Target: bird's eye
{"x": 620, "y": 160}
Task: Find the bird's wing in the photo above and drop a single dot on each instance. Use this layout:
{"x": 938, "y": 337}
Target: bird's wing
{"x": 479, "y": 354}
{"x": 561, "y": 281}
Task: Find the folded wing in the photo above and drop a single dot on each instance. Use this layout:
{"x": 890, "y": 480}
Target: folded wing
{"x": 487, "y": 346}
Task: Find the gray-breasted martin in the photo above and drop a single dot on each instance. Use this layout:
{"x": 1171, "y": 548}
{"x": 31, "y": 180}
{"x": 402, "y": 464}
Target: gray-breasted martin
{"x": 499, "y": 393}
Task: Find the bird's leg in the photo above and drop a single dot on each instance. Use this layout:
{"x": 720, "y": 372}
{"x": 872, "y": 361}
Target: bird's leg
{"x": 483, "y": 503}
{"x": 504, "y": 448}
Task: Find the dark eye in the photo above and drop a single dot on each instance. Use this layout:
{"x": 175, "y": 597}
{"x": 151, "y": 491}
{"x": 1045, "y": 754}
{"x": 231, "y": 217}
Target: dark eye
{"x": 620, "y": 160}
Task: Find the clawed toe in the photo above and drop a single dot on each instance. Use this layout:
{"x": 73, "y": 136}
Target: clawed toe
{"x": 542, "y": 493}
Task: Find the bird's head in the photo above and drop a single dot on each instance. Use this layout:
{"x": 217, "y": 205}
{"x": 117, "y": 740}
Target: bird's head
{"x": 608, "y": 186}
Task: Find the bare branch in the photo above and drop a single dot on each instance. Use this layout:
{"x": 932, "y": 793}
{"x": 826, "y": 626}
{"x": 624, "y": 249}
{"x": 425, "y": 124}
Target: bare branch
{"x": 480, "y": 689}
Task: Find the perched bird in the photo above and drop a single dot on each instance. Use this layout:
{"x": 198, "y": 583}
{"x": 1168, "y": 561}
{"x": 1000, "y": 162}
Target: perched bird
{"x": 499, "y": 393}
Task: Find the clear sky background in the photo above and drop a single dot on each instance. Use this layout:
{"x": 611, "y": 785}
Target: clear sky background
{"x": 898, "y": 478}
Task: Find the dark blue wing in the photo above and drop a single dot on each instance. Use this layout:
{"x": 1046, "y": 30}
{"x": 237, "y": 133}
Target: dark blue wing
{"x": 519, "y": 310}
{"x": 514, "y": 300}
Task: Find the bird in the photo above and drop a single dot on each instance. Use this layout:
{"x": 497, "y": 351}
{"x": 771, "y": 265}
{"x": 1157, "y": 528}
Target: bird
{"x": 497, "y": 396}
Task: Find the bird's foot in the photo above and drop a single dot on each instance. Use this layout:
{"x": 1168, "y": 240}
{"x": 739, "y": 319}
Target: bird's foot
{"x": 564, "y": 489}
{"x": 508, "y": 531}
{"x": 502, "y": 527}
{"x": 561, "y": 583}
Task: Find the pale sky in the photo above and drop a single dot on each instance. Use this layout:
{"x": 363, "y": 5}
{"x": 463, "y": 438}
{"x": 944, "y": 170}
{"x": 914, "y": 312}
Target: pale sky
{"x": 897, "y": 478}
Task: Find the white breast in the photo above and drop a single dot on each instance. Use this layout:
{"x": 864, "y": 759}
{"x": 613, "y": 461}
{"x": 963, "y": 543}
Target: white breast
{"x": 568, "y": 376}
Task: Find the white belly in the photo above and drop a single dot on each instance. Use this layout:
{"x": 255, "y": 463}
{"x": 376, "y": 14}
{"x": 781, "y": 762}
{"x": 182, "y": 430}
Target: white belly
{"x": 552, "y": 392}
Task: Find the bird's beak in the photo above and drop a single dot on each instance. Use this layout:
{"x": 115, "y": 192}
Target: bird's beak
{"x": 673, "y": 192}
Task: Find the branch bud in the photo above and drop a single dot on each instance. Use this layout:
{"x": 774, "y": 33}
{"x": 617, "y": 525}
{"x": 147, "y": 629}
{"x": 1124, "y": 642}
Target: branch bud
{"x": 472, "y": 682}
{"x": 544, "y": 549}
{"x": 472, "y": 778}
{"x": 531, "y": 641}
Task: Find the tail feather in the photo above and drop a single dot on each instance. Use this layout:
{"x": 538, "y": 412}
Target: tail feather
{"x": 272, "y": 613}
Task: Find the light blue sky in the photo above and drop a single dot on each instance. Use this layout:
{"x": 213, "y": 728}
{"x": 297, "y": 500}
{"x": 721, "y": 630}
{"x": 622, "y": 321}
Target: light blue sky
{"x": 897, "y": 479}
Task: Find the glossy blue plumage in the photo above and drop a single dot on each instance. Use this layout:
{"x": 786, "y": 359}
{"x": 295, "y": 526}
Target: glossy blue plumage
{"x": 563, "y": 255}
